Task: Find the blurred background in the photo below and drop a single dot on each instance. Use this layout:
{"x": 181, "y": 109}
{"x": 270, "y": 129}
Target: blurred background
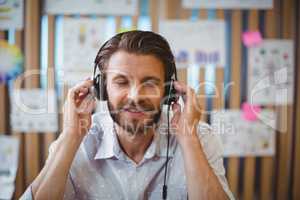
{"x": 241, "y": 56}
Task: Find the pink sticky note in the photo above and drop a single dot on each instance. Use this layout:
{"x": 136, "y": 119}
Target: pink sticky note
{"x": 251, "y": 38}
{"x": 250, "y": 112}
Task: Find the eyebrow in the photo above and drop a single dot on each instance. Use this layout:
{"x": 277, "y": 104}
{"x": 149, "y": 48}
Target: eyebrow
{"x": 151, "y": 78}
{"x": 145, "y": 79}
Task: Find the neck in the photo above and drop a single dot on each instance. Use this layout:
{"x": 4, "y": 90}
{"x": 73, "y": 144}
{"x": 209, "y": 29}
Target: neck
{"x": 135, "y": 145}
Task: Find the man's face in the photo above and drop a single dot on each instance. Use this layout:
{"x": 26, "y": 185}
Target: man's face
{"x": 135, "y": 87}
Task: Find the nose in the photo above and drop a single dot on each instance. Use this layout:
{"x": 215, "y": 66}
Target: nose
{"x": 135, "y": 93}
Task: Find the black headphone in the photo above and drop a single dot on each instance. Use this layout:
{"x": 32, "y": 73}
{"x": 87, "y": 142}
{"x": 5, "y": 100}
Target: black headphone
{"x": 99, "y": 83}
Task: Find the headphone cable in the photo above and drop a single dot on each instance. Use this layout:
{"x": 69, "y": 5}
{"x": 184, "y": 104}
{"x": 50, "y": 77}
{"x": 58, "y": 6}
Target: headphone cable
{"x": 165, "y": 187}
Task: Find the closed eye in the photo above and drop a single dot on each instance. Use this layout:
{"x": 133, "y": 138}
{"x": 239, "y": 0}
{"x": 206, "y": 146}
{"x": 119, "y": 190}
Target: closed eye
{"x": 121, "y": 82}
{"x": 151, "y": 83}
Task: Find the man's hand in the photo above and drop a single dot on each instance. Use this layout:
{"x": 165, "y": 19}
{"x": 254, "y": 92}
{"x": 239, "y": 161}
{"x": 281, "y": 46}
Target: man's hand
{"x": 185, "y": 122}
{"x": 202, "y": 182}
{"x": 51, "y": 182}
{"x": 78, "y": 108}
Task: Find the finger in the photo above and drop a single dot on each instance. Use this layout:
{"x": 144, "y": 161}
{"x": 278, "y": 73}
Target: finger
{"x": 181, "y": 88}
{"x": 82, "y": 94}
{"x": 84, "y": 84}
{"x": 91, "y": 106}
{"x": 84, "y": 103}
{"x": 80, "y": 97}
{"x": 186, "y": 92}
{"x": 82, "y": 91}
{"x": 81, "y": 88}
{"x": 83, "y": 107}
{"x": 88, "y": 107}
{"x": 176, "y": 108}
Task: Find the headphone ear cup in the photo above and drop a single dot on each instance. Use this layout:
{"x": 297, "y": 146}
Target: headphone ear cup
{"x": 171, "y": 95}
{"x": 96, "y": 86}
{"x": 100, "y": 87}
{"x": 167, "y": 93}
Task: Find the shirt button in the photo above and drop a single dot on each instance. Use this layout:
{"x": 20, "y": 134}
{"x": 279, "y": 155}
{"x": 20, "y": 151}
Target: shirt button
{"x": 155, "y": 158}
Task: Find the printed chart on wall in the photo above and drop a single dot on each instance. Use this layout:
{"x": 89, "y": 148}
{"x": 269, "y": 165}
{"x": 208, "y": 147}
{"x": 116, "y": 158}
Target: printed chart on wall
{"x": 196, "y": 43}
{"x": 228, "y": 4}
{"x": 11, "y": 14}
{"x": 38, "y": 114}
{"x": 103, "y": 7}
{"x": 241, "y": 137}
{"x": 82, "y": 39}
{"x": 271, "y": 73}
{"x": 9, "y": 151}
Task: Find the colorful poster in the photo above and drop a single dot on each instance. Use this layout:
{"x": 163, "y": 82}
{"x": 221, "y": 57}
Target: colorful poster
{"x": 241, "y": 137}
{"x": 102, "y": 7}
{"x": 196, "y": 43}
{"x": 9, "y": 154}
{"x": 228, "y": 4}
{"x": 11, "y": 61}
{"x": 271, "y": 73}
{"x": 82, "y": 38}
{"x": 34, "y": 110}
{"x": 11, "y": 14}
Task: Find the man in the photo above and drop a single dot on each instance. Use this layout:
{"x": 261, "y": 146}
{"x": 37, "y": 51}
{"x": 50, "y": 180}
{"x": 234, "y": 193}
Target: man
{"x": 122, "y": 155}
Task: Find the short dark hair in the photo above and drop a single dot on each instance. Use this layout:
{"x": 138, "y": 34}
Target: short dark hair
{"x": 140, "y": 43}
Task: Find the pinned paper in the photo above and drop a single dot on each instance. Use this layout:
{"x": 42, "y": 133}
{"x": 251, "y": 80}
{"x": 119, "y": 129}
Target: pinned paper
{"x": 38, "y": 114}
{"x": 243, "y": 138}
{"x": 11, "y": 14}
{"x": 87, "y": 35}
{"x": 228, "y": 4}
{"x": 251, "y": 38}
{"x": 9, "y": 151}
{"x": 86, "y": 7}
{"x": 271, "y": 73}
{"x": 197, "y": 43}
{"x": 250, "y": 112}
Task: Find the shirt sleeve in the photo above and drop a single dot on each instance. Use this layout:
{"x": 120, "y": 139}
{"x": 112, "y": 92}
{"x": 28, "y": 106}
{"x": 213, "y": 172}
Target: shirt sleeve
{"x": 27, "y": 195}
{"x": 213, "y": 150}
{"x": 69, "y": 189}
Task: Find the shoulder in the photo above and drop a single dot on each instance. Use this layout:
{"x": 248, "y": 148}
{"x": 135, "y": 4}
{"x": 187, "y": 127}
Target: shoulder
{"x": 210, "y": 140}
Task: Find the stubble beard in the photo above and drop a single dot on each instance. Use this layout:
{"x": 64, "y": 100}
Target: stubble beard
{"x": 134, "y": 126}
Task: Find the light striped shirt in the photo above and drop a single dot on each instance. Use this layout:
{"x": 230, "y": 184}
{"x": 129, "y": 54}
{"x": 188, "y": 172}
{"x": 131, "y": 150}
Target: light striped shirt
{"x": 101, "y": 170}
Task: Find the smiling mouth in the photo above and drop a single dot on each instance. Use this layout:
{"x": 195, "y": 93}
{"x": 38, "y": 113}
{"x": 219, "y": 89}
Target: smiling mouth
{"x": 133, "y": 110}
{"x": 135, "y": 113}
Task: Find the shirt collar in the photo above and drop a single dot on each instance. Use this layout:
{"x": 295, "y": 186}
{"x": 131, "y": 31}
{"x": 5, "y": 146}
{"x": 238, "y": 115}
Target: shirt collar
{"x": 162, "y": 142}
{"x": 109, "y": 145}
